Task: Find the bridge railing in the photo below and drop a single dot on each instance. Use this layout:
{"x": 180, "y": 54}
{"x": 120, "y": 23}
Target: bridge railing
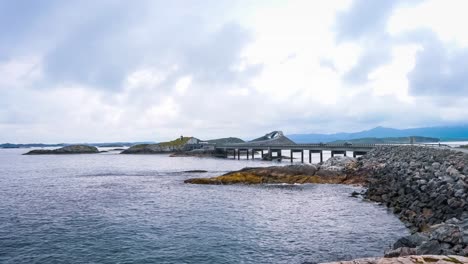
{"x": 317, "y": 145}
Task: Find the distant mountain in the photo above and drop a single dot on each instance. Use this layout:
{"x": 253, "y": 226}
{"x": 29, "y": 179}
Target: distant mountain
{"x": 32, "y": 145}
{"x": 443, "y": 133}
{"x": 41, "y": 145}
{"x": 388, "y": 140}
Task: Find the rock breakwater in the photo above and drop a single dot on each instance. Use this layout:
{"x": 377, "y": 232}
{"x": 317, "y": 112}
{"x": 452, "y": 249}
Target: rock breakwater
{"x": 428, "y": 189}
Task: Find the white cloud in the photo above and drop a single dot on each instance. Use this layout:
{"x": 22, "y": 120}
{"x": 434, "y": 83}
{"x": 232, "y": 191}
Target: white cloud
{"x": 19, "y": 72}
{"x": 183, "y": 84}
{"x": 390, "y": 79}
{"x": 447, "y": 18}
{"x": 162, "y": 70}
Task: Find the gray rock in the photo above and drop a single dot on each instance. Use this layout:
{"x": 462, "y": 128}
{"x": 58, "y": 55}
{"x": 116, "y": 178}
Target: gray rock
{"x": 448, "y": 233}
{"x": 337, "y": 163}
{"x": 411, "y": 241}
{"x": 452, "y": 171}
{"x": 400, "y": 252}
{"x": 431, "y": 247}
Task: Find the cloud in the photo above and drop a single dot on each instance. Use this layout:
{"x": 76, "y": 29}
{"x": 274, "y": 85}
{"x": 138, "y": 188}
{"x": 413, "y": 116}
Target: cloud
{"x": 114, "y": 70}
{"x": 440, "y": 70}
{"x": 363, "y": 18}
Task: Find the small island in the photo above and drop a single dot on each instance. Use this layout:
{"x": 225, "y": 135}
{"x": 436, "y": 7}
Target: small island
{"x": 72, "y": 149}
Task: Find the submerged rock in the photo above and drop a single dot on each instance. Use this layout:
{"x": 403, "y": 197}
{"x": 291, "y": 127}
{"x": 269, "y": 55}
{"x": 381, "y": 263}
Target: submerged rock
{"x": 72, "y": 149}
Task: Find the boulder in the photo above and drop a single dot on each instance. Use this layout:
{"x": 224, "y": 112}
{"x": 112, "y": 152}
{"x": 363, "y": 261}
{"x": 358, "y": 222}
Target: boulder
{"x": 446, "y": 233}
{"x": 337, "y": 163}
{"x": 429, "y": 247}
{"x": 411, "y": 241}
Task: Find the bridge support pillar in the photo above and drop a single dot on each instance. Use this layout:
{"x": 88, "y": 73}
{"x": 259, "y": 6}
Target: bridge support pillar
{"x": 253, "y": 154}
{"x": 310, "y": 156}
{"x": 238, "y": 154}
{"x": 321, "y": 156}
{"x": 292, "y": 154}
{"x": 302, "y": 156}
{"x": 359, "y": 153}
{"x": 334, "y": 152}
{"x": 247, "y": 155}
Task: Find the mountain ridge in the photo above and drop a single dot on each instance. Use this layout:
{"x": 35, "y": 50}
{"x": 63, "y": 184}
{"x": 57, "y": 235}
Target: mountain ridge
{"x": 444, "y": 133}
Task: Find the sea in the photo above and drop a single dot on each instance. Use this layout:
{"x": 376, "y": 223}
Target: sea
{"x": 112, "y": 208}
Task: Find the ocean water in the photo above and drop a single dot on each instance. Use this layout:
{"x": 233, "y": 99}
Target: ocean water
{"x": 110, "y": 208}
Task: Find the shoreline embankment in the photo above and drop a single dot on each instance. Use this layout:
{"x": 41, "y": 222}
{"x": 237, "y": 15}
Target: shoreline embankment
{"x": 428, "y": 189}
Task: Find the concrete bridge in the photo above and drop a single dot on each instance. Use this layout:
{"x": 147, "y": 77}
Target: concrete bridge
{"x": 274, "y": 151}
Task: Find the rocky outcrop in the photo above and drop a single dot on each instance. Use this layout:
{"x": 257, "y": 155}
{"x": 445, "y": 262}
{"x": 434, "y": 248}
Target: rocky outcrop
{"x": 72, "y": 149}
{"x": 177, "y": 145}
{"x": 200, "y": 153}
{"x": 335, "y": 171}
{"x": 428, "y": 189}
{"x": 228, "y": 140}
{"x": 425, "y": 259}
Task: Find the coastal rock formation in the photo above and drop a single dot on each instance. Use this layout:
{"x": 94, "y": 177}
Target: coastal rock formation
{"x": 201, "y": 153}
{"x": 228, "y": 140}
{"x": 425, "y": 259}
{"x": 335, "y": 171}
{"x": 428, "y": 189}
{"x": 72, "y": 149}
{"x": 176, "y": 145}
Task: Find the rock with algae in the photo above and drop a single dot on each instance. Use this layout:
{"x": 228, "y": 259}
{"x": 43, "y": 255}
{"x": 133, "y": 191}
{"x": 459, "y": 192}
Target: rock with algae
{"x": 292, "y": 174}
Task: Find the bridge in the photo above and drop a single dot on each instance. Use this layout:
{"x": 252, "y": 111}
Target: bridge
{"x": 274, "y": 151}
{"x": 276, "y": 142}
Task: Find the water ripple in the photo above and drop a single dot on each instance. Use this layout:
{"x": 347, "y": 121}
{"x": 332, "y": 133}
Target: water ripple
{"x": 136, "y": 209}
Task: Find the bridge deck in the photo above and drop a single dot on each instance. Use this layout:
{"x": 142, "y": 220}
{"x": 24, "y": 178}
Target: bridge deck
{"x": 343, "y": 147}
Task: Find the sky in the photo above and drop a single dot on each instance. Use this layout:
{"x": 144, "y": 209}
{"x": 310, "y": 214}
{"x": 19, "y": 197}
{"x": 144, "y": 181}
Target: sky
{"x": 150, "y": 70}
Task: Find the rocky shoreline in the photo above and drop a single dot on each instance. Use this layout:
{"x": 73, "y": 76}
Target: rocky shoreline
{"x": 425, "y": 259}
{"x": 334, "y": 171}
{"x": 426, "y": 187}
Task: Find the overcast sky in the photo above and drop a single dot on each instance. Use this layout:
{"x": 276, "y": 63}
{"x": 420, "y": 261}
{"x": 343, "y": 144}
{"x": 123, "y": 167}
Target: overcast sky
{"x": 75, "y": 71}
